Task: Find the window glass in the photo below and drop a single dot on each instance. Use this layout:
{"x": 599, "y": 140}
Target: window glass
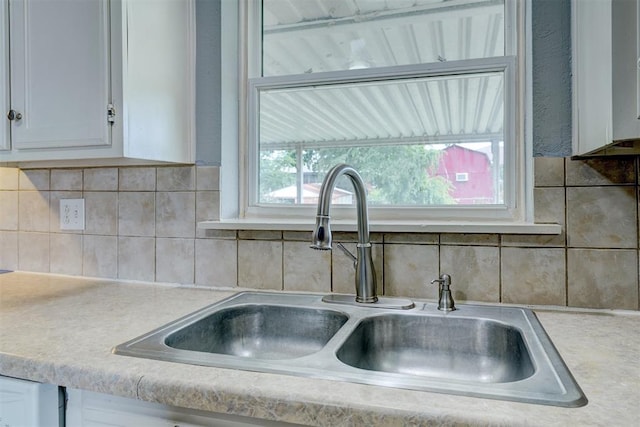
{"x": 310, "y": 36}
{"x": 416, "y": 95}
{"x": 408, "y": 138}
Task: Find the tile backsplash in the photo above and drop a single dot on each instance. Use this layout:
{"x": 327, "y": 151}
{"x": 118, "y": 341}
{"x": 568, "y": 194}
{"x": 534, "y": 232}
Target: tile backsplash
{"x": 141, "y": 225}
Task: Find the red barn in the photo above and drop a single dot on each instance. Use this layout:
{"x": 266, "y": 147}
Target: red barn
{"x": 469, "y": 173}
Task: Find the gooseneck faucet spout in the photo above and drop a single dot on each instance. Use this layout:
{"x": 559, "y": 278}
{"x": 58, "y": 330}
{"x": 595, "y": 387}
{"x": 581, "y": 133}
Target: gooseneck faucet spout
{"x": 365, "y": 273}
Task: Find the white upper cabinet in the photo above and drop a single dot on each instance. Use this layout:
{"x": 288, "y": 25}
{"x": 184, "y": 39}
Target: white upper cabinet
{"x": 606, "y": 77}
{"x": 4, "y": 75}
{"x": 99, "y": 82}
{"x": 59, "y": 74}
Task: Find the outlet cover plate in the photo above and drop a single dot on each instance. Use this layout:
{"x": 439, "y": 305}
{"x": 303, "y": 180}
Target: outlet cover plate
{"x": 71, "y": 214}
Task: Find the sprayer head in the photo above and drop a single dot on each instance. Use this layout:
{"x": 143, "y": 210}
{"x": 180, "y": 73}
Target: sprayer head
{"x": 321, "y": 234}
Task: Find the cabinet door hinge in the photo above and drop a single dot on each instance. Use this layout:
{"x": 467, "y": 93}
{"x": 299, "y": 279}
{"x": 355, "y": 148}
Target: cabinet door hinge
{"x": 111, "y": 113}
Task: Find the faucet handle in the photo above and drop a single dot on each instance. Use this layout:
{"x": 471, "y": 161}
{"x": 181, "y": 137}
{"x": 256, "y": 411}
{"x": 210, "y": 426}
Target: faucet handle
{"x": 348, "y": 253}
{"x": 445, "y": 299}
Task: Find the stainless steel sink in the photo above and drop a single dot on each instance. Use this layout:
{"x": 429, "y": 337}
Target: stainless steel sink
{"x": 260, "y": 331}
{"x": 477, "y": 350}
{"x": 483, "y": 351}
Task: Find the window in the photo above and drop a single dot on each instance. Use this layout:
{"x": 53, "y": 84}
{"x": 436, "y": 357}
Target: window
{"x": 462, "y": 177}
{"x": 424, "y": 98}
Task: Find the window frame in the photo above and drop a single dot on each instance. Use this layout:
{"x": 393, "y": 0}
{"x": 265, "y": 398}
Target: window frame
{"x": 517, "y": 178}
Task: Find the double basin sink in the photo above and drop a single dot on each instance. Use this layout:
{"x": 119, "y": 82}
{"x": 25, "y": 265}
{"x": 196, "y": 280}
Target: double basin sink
{"x": 483, "y": 351}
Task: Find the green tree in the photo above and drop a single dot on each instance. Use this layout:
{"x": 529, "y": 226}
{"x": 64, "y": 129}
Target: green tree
{"x": 277, "y": 170}
{"x": 396, "y": 175}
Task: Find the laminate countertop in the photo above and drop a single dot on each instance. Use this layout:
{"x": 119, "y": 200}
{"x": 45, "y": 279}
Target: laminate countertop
{"x": 61, "y": 330}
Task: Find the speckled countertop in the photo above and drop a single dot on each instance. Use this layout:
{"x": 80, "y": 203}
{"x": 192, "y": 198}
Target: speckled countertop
{"x": 61, "y": 330}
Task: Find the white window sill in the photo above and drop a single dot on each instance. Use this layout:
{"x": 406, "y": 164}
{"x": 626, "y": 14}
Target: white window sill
{"x": 384, "y": 226}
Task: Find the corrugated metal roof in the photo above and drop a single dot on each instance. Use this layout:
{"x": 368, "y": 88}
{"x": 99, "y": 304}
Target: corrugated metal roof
{"x": 310, "y": 36}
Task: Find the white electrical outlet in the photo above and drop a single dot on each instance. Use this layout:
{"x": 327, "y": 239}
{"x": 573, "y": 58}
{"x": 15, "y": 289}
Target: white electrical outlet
{"x": 71, "y": 214}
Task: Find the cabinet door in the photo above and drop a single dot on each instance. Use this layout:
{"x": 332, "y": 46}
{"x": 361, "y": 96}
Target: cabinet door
{"x": 59, "y": 54}
{"x": 25, "y": 403}
{"x": 4, "y": 74}
{"x": 625, "y": 18}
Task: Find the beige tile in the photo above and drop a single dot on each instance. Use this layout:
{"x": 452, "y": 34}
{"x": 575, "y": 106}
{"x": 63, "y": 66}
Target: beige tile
{"x": 100, "y": 256}
{"x": 137, "y": 214}
{"x": 54, "y": 209}
{"x": 180, "y": 178}
{"x": 602, "y": 217}
{"x": 474, "y": 271}
{"x": 419, "y": 238}
{"x": 137, "y": 179}
{"x": 220, "y": 234}
{"x": 297, "y": 236}
{"x": 408, "y": 269}
{"x": 548, "y": 171}
{"x": 216, "y": 262}
{"x": 33, "y": 252}
{"x": 175, "y": 260}
{"x": 306, "y": 269}
{"x": 533, "y": 276}
{"x": 137, "y": 258}
{"x": 9, "y": 210}
{"x": 66, "y": 179}
{"x": 549, "y": 205}
{"x": 66, "y": 253}
{"x": 601, "y": 171}
{"x": 101, "y": 179}
{"x": 344, "y": 236}
{"x": 603, "y": 278}
{"x": 176, "y": 214}
{"x": 101, "y": 213}
{"x": 35, "y": 179}
{"x": 207, "y": 178}
{"x": 8, "y": 250}
{"x": 260, "y": 264}
{"x": 33, "y": 211}
{"x": 259, "y": 235}
{"x": 207, "y": 206}
{"x": 344, "y": 275}
{"x": 464, "y": 239}
{"x": 376, "y": 237}
{"x": 348, "y": 236}
{"x": 9, "y": 178}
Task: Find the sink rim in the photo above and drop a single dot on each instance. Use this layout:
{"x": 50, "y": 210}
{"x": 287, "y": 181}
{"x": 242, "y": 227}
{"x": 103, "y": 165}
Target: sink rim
{"x": 552, "y": 376}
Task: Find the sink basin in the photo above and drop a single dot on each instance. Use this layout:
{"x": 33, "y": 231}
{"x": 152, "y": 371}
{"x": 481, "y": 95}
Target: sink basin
{"x": 260, "y": 331}
{"x": 477, "y": 350}
{"x": 483, "y": 351}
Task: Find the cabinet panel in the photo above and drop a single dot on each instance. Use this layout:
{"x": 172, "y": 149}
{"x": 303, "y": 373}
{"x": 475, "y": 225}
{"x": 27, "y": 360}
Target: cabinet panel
{"x": 4, "y": 74}
{"x": 625, "y": 24}
{"x": 26, "y": 403}
{"x": 59, "y": 73}
{"x": 606, "y": 77}
{"x": 159, "y": 100}
{"x": 71, "y": 59}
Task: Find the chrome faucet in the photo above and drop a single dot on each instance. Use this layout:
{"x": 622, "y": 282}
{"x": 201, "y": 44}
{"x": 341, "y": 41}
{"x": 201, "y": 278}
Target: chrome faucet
{"x": 363, "y": 263}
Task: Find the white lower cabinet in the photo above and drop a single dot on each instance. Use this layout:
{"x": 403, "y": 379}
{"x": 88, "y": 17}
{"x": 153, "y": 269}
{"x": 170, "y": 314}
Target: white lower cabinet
{"x": 26, "y": 403}
{"x": 89, "y": 409}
